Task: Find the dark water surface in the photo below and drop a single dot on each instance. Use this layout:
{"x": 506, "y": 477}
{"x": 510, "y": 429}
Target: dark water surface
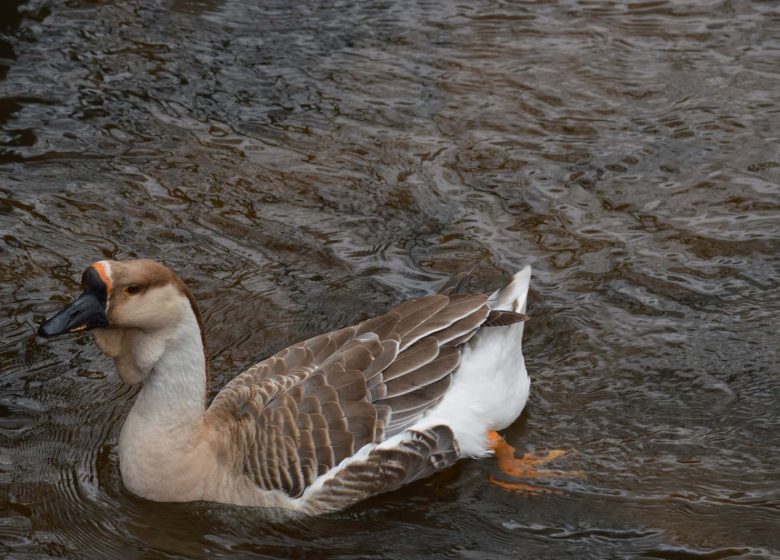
{"x": 305, "y": 164}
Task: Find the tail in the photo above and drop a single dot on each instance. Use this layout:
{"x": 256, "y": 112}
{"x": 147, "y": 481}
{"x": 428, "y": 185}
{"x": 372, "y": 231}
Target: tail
{"x": 513, "y": 296}
{"x": 491, "y": 386}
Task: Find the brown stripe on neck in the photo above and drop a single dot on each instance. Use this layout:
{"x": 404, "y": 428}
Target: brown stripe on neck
{"x": 198, "y": 317}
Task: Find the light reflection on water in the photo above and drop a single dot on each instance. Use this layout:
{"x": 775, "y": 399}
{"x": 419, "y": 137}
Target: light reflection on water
{"x": 304, "y": 166}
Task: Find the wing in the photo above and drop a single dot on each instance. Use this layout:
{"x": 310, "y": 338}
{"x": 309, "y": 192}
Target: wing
{"x": 383, "y": 469}
{"x": 296, "y": 415}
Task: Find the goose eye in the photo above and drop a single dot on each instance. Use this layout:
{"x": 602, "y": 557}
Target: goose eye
{"x": 134, "y": 289}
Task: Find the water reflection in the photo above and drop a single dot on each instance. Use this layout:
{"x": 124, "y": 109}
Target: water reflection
{"x": 304, "y": 166}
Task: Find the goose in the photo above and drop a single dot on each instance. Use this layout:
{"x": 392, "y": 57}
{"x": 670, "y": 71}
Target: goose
{"x": 322, "y": 424}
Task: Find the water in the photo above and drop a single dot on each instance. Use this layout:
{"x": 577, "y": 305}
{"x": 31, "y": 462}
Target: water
{"x": 305, "y": 165}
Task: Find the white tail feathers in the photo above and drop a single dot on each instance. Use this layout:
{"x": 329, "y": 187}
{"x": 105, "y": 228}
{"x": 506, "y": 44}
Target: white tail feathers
{"x": 513, "y": 296}
{"x": 491, "y": 386}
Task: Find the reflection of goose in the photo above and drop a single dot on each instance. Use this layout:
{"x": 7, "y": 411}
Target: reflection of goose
{"x": 323, "y": 423}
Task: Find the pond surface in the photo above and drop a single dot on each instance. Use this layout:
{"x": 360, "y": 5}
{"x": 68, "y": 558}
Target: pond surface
{"x": 304, "y": 165}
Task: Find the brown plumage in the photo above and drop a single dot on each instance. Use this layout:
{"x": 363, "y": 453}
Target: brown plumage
{"x": 321, "y": 424}
{"x": 384, "y": 470}
{"x": 301, "y": 412}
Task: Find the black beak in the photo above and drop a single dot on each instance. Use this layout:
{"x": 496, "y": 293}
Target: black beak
{"x": 86, "y": 313}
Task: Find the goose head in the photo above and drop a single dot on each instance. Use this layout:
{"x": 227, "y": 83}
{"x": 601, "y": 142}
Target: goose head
{"x": 127, "y": 305}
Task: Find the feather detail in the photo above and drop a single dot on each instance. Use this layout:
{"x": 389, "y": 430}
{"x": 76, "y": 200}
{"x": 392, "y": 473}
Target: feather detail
{"x": 383, "y": 469}
{"x": 498, "y": 318}
{"x": 296, "y": 416}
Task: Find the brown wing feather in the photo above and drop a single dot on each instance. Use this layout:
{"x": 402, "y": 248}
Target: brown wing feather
{"x": 499, "y": 318}
{"x": 457, "y": 282}
{"x": 296, "y": 415}
{"x": 384, "y": 470}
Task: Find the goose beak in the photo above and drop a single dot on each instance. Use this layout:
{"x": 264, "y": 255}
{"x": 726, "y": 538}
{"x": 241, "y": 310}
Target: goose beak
{"x": 86, "y": 313}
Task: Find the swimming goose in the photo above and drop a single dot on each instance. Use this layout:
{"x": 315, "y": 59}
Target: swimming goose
{"x": 320, "y": 425}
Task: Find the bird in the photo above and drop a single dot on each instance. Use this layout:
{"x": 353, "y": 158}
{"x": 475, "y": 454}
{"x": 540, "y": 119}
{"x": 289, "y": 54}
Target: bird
{"x": 320, "y": 425}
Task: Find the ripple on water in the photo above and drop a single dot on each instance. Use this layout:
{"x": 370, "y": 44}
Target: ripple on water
{"x": 305, "y": 165}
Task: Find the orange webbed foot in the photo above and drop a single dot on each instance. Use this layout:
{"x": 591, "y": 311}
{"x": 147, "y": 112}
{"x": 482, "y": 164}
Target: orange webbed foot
{"x": 526, "y": 466}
